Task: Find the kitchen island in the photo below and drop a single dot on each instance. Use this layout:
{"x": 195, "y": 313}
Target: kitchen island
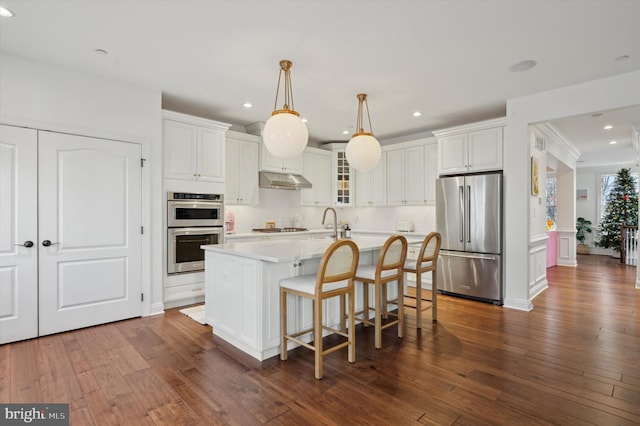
{"x": 242, "y": 299}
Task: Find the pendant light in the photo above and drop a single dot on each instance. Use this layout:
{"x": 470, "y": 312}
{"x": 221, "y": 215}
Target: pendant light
{"x": 363, "y": 150}
{"x": 284, "y": 134}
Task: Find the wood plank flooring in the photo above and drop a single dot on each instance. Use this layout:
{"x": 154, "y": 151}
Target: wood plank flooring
{"x": 573, "y": 360}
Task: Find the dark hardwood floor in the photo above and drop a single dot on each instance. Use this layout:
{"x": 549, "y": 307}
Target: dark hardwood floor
{"x": 573, "y": 360}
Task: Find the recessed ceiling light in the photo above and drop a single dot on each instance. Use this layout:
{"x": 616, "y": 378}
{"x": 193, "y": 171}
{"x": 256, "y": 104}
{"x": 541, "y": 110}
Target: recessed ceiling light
{"x": 607, "y": 127}
{"x": 612, "y": 142}
{"x": 622, "y": 58}
{"x": 417, "y": 114}
{"x": 523, "y": 65}
{"x": 304, "y": 120}
{"x": 101, "y": 52}
{"x": 6, "y": 13}
{"x": 247, "y": 104}
{"x": 345, "y": 132}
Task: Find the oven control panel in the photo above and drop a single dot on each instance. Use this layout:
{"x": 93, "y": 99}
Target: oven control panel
{"x": 191, "y": 196}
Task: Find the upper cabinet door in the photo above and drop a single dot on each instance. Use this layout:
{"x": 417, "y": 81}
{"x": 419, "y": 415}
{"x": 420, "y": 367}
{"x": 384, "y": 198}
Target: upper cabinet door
{"x": 317, "y": 169}
{"x": 395, "y": 177}
{"x": 371, "y": 186}
{"x": 430, "y": 173}
{"x": 241, "y": 169}
{"x": 273, "y": 164}
{"x": 476, "y": 147}
{"x": 248, "y": 164}
{"x": 210, "y": 158}
{"x": 485, "y": 150}
{"x": 323, "y": 177}
{"x": 180, "y": 150}
{"x": 193, "y": 148}
{"x": 453, "y": 154}
{"x": 414, "y": 176}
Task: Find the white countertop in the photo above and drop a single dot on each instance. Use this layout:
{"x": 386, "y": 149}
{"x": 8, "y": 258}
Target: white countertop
{"x": 286, "y": 250}
{"x": 326, "y": 231}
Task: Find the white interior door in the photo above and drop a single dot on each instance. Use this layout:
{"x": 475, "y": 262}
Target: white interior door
{"x": 90, "y": 231}
{"x": 18, "y": 234}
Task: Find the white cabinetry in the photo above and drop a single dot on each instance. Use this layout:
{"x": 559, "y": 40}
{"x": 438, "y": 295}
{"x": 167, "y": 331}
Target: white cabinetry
{"x": 411, "y": 174}
{"x": 241, "y": 283}
{"x": 406, "y": 176}
{"x": 371, "y": 186}
{"x": 473, "y": 148}
{"x": 243, "y": 301}
{"x": 342, "y": 182}
{"x": 193, "y": 148}
{"x": 183, "y": 289}
{"x": 274, "y": 164}
{"x": 430, "y": 173}
{"x": 317, "y": 169}
{"x": 242, "y": 155}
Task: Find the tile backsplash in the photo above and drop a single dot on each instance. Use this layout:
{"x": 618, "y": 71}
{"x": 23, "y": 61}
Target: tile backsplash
{"x": 283, "y": 208}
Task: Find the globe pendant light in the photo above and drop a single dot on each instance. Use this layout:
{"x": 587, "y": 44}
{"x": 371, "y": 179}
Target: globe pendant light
{"x": 363, "y": 150}
{"x": 284, "y": 134}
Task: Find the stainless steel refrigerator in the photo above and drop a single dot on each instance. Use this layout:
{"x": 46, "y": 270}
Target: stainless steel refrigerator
{"x": 469, "y": 218}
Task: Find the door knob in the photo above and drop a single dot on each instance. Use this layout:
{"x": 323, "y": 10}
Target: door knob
{"x": 26, "y": 244}
{"x": 48, "y": 243}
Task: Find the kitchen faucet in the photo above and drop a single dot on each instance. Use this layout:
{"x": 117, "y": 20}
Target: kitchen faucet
{"x": 335, "y": 221}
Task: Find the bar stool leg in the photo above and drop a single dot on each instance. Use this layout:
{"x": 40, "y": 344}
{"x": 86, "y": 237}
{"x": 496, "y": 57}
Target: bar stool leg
{"x": 365, "y": 299}
{"x": 434, "y": 296}
{"x": 343, "y": 317}
{"x": 400, "y": 306}
{"x": 283, "y": 324}
{"x": 352, "y": 328}
{"x": 419, "y": 298}
{"x": 378, "y": 313}
{"x": 317, "y": 336}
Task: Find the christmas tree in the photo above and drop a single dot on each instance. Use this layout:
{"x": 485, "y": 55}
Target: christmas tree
{"x": 622, "y": 209}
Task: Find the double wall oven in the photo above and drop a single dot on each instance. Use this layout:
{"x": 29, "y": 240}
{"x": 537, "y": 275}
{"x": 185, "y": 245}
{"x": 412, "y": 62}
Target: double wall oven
{"x": 192, "y": 220}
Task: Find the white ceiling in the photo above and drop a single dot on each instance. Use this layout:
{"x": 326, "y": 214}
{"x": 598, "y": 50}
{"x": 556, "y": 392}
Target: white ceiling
{"x": 447, "y": 59}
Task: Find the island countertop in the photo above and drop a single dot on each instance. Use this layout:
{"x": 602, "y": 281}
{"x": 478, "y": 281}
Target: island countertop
{"x": 285, "y": 250}
{"x": 242, "y": 288}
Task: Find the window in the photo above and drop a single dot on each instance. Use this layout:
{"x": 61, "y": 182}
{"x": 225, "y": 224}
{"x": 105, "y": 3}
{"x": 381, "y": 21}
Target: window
{"x": 607, "y": 183}
{"x": 551, "y": 198}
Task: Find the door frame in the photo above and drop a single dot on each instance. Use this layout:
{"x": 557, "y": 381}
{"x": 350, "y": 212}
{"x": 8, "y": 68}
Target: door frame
{"x": 151, "y": 195}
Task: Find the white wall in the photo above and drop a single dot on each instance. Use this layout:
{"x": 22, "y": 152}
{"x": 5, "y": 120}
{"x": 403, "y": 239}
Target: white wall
{"x": 598, "y": 95}
{"x": 43, "y": 96}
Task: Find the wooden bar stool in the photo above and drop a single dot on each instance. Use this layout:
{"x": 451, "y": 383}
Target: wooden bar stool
{"x": 334, "y": 279}
{"x": 388, "y": 268}
{"x": 427, "y": 261}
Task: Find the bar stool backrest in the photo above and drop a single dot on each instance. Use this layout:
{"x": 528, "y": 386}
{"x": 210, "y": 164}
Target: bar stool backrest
{"x": 339, "y": 262}
{"x": 392, "y": 254}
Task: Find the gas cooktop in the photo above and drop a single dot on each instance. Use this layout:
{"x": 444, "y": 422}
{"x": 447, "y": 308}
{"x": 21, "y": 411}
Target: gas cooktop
{"x": 279, "y": 229}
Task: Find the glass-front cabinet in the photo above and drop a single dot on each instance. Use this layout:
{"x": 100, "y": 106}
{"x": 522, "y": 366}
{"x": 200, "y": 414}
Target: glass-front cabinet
{"x": 342, "y": 181}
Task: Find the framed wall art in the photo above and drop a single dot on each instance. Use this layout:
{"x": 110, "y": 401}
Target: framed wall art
{"x": 582, "y": 195}
{"x": 535, "y": 185}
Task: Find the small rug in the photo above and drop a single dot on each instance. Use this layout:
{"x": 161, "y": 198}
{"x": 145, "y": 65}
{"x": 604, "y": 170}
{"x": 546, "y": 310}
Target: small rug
{"x": 196, "y": 313}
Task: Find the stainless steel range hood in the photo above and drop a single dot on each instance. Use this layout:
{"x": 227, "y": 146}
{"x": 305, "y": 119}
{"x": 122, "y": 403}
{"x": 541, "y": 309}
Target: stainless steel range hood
{"x": 283, "y": 181}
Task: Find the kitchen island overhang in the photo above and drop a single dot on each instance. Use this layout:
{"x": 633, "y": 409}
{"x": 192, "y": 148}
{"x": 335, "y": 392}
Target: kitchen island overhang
{"x": 242, "y": 289}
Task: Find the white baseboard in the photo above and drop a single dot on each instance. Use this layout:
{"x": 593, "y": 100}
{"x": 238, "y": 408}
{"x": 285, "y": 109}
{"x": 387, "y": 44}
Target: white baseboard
{"x": 519, "y": 304}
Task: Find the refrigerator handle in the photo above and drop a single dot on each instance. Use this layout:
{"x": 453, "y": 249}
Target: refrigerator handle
{"x": 462, "y": 213}
{"x": 468, "y": 214}
{"x": 470, "y": 256}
